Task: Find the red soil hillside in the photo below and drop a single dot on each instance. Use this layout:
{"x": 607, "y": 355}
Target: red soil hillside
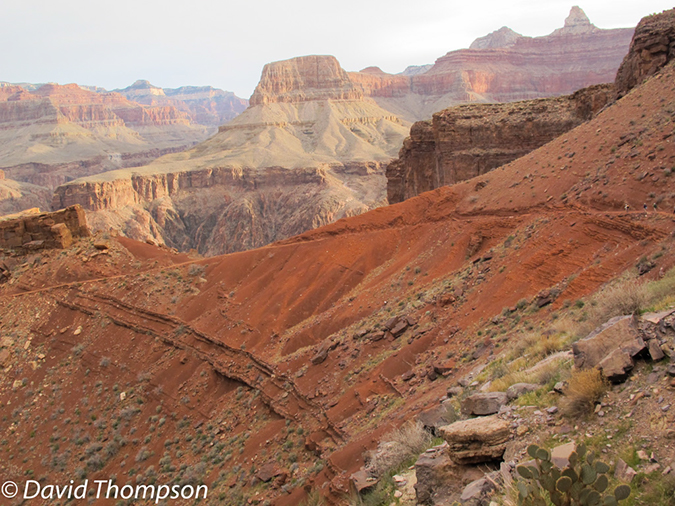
{"x": 274, "y": 359}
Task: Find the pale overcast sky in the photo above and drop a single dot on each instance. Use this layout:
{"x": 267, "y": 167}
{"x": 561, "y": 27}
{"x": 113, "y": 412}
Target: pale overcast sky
{"x": 225, "y": 43}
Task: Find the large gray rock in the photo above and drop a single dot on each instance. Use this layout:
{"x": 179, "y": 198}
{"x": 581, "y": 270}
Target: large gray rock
{"x": 477, "y": 492}
{"x": 611, "y": 346}
{"x": 617, "y": 365}
{"x": 437, "y": 417}
{"x": 484, "y": 403}
{"x": 476, "y": 440}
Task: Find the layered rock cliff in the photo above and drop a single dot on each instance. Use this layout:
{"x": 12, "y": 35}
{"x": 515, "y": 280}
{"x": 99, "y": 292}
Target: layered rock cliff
{"x": 505, "y": 66}
{"x": 308, "y": 151}
{"x": 653, "y": 46}
{"x": 468, "y": 140}
{"x": 222, "y": 210}
{"x": 56, "y": 133}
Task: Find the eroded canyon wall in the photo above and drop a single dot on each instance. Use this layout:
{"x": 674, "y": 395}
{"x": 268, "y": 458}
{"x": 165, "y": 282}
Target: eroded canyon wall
{"x": 465, "y": 141}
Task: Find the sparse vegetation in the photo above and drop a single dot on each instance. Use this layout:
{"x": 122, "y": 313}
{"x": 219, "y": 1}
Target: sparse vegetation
{"x": 398, "y": 446}
{"x": 585, "y": 388}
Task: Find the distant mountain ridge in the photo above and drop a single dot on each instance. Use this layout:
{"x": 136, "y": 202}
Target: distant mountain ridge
{"x": 503, "y": 66}
{"x": 204, "y": 105}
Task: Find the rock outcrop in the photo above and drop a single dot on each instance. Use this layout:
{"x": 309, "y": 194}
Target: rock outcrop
{"x": 34, "y": 230}
{"x": 653, "y": 46}
{"x": 468, "y": 140}
{"x": 302, "y": 79}
{"x": 476, "y": 440}
{"x": 503, "y": 37}
{"x": 51, "y": 134}
{"x": 310, "y": 150}
{"x": 222, "y": 210}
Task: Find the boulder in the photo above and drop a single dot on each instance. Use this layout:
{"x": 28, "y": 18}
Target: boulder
{"x": 661, "y": 324}
{"x": 655, "y": 350}
{"x": 362, "y": 481}
{"x": 616, "y": 366}
{"x": 455, "y": 391}
{"x": 267, "y": 472}
{"x": 376, "y": 336}
{"x": 476, "y": 492}
{"x": 436, "y": 417}
{"x": 4, "y": 357}
{"x": 440, "y": 481}
{"x": 623, "y": 472}
{"x": 445, "y": 367}
{"x": 476, "y": 440}
{"x": 560, "y": 455}
{"x": 620, "y": 335}
{"x": 391, "y": 322}
{"x": 518, "y": 389}
{"x": 484, "y": 403}
{"x": 399, "y": 328}
{"x": 320, "y": 356}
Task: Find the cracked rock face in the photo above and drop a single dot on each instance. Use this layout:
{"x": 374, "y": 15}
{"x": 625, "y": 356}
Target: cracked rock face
{"x": 652, "y": 47}
{"x": 476, "y": 440}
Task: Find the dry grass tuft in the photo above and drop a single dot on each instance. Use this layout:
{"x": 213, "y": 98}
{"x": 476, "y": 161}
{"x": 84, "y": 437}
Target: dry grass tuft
{"x": 539, "y": 374}
{"x": 662, "y": 292}
{"x": 585, "y": 388}
{"x": 397, "y": 447}
{"x": 625, "y": 298}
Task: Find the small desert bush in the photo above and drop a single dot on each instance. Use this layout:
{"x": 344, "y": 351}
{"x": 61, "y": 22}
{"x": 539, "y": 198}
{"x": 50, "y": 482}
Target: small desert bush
{"x": 196, "y": 270}
{"x": 535, "y": 345}
{"x": 584, "y": 389}
{"x": 398, "y": 447}
{"x": 314, "y": 499}
{"x": 624, "y": 298}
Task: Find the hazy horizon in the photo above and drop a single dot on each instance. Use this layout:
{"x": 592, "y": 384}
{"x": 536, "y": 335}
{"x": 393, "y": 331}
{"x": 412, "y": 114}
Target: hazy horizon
{"x": 226, "y": 44}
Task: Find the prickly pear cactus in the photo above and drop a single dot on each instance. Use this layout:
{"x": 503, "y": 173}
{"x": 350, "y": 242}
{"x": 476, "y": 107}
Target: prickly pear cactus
{"x": 582, "y": 483}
